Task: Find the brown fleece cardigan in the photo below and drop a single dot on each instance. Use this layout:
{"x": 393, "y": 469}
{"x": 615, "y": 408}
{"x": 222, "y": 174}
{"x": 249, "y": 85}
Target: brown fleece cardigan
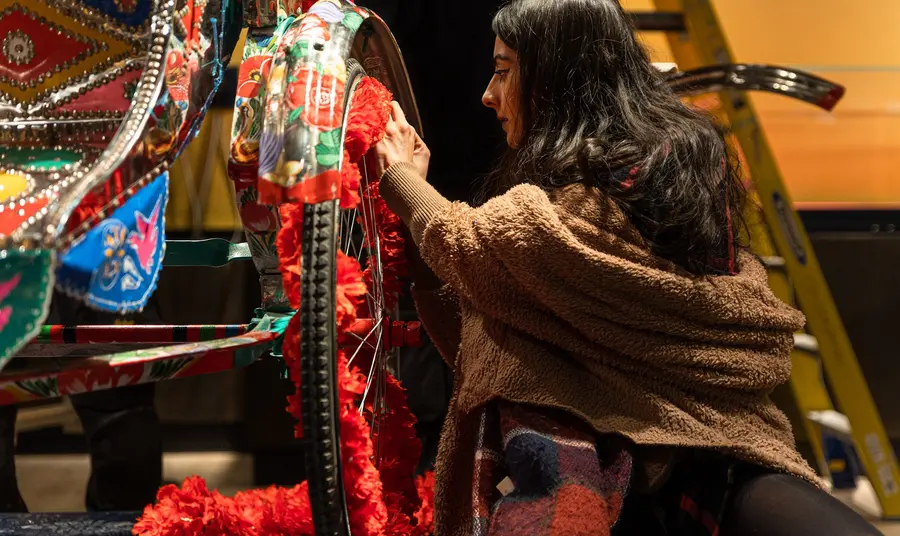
{"x": 552, "y": 299}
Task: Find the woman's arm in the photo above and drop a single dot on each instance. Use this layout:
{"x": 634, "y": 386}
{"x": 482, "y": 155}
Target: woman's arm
{"x": 456, "y": 246}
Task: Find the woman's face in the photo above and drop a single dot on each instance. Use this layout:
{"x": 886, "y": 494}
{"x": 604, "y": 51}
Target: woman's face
{"x": 502, "y": 95}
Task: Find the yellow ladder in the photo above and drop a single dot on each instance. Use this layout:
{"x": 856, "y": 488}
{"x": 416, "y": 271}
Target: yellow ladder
{"x": 696, "y": 39}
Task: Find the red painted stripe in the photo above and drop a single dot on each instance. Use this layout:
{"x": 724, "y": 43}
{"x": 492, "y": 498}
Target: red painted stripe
{"x": 56, "y": 334}
{"x": 323, "y": 187}
{"x": 689, "y": 506}
{"x": 710, "y": 524}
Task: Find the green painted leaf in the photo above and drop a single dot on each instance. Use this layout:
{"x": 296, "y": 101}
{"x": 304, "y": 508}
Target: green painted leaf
{"x": 328, "y": 151}
{"x": 327, "y": 159}
{"x": 163, "y": 370}
{"x": 43, "y": 387}
{"x": 320, "y": 68}
{"x": 332, "y": 138}
{"x": 300, "y": 49}
{"x": 295, "y": 114}
{"x": 352, "y": 20}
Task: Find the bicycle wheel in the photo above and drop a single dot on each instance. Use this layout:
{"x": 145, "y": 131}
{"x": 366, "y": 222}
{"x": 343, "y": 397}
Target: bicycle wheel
{"x": 308, "y": 96}
{"x": 318, "y": 354}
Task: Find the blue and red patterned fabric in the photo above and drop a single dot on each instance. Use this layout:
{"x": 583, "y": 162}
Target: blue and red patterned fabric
{"x": 540, "y": 472}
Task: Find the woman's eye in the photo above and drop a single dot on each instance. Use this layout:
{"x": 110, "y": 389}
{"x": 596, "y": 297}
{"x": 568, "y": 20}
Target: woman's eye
{"x": 501, "y": 72}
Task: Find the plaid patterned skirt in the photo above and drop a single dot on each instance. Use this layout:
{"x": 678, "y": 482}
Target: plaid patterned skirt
{"x": 540, "y": 472}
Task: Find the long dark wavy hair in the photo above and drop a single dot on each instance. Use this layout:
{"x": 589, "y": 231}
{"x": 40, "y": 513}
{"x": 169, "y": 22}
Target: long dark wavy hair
{"x": 592, "y": 105}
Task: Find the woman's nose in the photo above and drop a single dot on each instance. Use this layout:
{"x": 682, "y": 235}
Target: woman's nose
{"x": 488, "y": 99}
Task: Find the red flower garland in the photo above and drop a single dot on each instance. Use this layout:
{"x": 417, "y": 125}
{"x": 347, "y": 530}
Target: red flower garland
{"x": 388, "y": 502}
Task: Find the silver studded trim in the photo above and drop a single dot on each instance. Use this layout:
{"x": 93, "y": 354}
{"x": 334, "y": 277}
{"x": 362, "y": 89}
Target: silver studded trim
{"x": 92, "y": 17}
{"x": 14, "y": 201}
{"x": 42, "y": 231}
{"x": 115, "y": 203}
{"x": 126, "y": 6}
{"x": 94, "y": 46}
{"x": 129, "y": 134}
{"x": 18, "y": 48}
{"x": 48, "y": 112}
{"x": 137, "y": 48}
{"x": 86, "y": 154}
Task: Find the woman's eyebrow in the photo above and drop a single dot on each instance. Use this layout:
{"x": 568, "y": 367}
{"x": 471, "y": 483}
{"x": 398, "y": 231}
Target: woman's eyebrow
{"x": 501, "y": 57}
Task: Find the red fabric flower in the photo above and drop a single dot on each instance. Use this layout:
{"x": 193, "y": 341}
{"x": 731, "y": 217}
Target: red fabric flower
{"x": 254, "y": 70}
{"x": 277, "y": 511}
{"x": 350, "y": 290}
{"x": 363, "y": 488}
{"x": 350, "y": 178}
{"x": 290, "y": 350}
{"x": 288, "y": 242}
{"x": 425, "y": 515}
{"x": 368, "y": 117}
{"x": 321, "y": 97}
{"x": 192, "y": 509}
{"x": 401, "y": 448}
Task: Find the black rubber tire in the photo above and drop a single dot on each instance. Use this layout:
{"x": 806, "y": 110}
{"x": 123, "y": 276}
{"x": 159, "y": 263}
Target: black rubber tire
{"x": 318, "y": 355}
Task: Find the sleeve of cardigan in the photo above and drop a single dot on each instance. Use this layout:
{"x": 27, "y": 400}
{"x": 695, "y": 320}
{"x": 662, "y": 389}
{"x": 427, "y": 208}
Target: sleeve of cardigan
{"x": 452, "y": 243}
{"x": 437, "y": 306}
{"x": 440, "y": 314}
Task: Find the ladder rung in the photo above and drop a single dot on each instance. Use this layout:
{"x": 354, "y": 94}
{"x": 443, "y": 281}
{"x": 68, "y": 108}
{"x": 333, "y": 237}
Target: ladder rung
{"x": 658, "y": 21}
{"x": 806, "y": 342}
{"x": 773, "y": 262}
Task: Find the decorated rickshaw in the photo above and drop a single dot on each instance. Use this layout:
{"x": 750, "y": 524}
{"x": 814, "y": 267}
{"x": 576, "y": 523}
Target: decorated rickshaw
{"x": 98, "y": 98}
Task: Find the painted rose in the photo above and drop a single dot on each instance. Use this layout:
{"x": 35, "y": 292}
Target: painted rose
{"x": 313, "y": 27}
{"x": 177, "y": 76}
{"x": 322, "y": 97}
{"x": 258, "y": 218}
{"x": 254, "y": 71}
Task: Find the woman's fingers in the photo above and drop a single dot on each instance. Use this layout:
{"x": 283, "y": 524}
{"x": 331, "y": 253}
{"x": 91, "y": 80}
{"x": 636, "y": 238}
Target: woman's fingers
{"x": 420, "y": 147}
{"x": 397, "y": 113}
{"x": 391, "y": 127}
{"x": 400, "y": 119}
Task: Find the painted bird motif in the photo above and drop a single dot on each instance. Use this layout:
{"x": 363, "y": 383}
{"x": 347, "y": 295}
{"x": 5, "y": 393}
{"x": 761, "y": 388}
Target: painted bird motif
{"x": 146, "y": 237}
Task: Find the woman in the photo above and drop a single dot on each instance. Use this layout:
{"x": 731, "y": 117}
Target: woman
{"x": 613, "y": 346}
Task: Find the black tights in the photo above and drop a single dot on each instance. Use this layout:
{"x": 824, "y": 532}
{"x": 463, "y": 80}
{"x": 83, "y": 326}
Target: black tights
{"x": 739, "y": 498}
{"x": 784, "y": 505}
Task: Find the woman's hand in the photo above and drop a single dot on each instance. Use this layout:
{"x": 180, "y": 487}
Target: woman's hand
{"x": 401, "y": 143}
